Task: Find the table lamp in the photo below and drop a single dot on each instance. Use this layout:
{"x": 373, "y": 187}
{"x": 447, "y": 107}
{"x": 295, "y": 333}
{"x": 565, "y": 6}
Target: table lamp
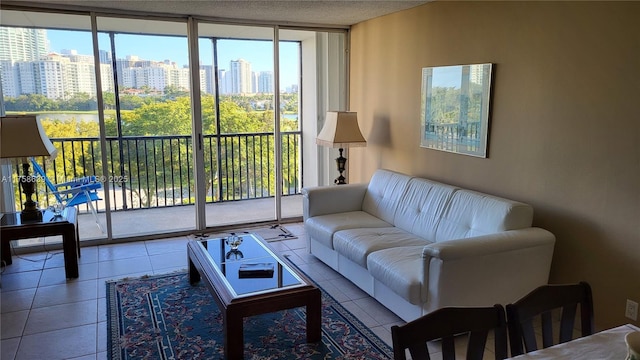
{"x": 22, "y": 137}
{"x": 341, "y": 130}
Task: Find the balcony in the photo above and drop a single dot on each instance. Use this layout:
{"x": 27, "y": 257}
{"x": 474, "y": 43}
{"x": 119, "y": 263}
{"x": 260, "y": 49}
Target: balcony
{"x": 162, "y": 220}
{"x": 152, "y": 187}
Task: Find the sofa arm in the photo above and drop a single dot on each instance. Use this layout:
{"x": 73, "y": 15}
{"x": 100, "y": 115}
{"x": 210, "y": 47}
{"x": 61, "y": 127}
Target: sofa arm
{"x": 489, "y": 244}
{"x": 322, "y": 200}
{"x": 484, "y": 270}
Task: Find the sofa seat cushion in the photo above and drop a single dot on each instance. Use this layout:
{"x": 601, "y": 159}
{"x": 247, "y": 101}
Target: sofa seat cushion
{"x": 400, "y": 269}
{"x": 357, "y": 244}
{"x": 321, "y": 228}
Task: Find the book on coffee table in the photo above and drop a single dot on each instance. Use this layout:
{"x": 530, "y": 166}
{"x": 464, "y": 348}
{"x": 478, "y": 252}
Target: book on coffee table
{"x": 255, "y": 270}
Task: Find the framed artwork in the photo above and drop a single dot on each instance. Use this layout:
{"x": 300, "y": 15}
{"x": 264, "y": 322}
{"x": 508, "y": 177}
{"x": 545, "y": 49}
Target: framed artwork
{"x": 455, "y": 108}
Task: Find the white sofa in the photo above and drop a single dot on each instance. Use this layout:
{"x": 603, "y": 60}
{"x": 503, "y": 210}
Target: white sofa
{"x": 417, "y": 245}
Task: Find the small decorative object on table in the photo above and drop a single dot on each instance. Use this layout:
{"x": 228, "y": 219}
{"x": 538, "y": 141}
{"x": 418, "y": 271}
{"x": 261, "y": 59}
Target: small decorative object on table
{"x": 56, "y": 209}
{"x": 234, "y": 241}
{"x": 255, "y": 270}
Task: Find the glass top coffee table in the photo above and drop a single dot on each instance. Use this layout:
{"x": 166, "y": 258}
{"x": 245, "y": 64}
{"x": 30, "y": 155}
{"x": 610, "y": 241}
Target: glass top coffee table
{"x": 247, "y": 278}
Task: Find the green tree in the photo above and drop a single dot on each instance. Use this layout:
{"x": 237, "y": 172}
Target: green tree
{"x": 130, "y": 102}
{"x": 30, "y": 103}
{"x": 79, "y": 102}
{"x": 109, "y": 100}
{"x": 172, "y": 92}
{"x": 155, "y": 168}
{"x": 171, "y": 117}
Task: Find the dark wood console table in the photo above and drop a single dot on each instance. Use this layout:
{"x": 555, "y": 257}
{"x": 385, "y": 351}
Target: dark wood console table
{"x": 12, "y": 228}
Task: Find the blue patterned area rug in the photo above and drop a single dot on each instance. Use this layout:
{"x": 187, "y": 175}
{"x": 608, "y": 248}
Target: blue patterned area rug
{"x": 163, "y": 317}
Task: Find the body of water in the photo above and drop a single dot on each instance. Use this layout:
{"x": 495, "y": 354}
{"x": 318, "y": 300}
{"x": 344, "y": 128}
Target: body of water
{"x": 88, "y": 117}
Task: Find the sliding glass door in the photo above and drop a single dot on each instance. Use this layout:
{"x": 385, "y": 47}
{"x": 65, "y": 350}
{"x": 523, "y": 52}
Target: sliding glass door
{"x": 120, "y": 104}
{"x": 291, "y": 119}
{"x": 49, "y": 72}
{"x": 238, "y": 119}
{"x": 148, "y": 127}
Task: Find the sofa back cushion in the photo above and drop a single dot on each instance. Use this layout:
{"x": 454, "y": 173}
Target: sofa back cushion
{"x": 471, "y": 213}
{"x": 422, "y": 206}
{"x": 384, "y": 192}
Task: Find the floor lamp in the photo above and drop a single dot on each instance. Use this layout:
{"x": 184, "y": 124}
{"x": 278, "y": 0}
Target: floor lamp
{"x": 341, "y": 130}
{"x": 23, "y": 137}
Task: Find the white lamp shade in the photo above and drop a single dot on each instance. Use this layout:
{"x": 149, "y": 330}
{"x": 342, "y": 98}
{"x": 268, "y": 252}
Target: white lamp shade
{"x": 22, "y": 136}
{"x": 341, "y": 130}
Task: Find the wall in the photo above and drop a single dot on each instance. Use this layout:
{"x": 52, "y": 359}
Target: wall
{"x": 565, "y": 124}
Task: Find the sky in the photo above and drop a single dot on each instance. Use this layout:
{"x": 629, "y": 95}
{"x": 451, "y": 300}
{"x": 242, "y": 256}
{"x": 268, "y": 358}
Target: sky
{"x": 447, "y": 76}
{"x": 160, "y": 48}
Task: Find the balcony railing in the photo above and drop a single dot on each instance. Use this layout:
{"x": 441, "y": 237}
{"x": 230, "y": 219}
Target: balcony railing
{"x": 467, "y": 137}
{"x": 157, "y": 171}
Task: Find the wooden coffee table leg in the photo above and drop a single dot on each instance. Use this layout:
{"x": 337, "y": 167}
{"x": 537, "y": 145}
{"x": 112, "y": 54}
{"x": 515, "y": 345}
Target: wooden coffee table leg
{"x": 233, "y": 336}
{"x": 194, "y": 275}
{"x": 314, "y": 316}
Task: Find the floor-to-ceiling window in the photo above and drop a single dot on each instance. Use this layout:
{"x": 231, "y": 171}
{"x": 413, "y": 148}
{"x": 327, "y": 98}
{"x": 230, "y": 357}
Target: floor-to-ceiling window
{"x": 49, "y": 71}
{"x": 238, "y": 121}
{"x": 262, "y": 93}
{"x": 290, "y": 120}
{"x": 148, "y": 126}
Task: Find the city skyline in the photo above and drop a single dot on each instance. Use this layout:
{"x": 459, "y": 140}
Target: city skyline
{"x": 258, "y": 52}
{"x": 33, "y": 65}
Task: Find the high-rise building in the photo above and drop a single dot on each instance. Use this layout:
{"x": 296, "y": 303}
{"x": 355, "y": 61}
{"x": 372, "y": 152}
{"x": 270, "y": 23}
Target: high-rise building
{"x": 207, "y": 79}
{"x": 180, "y": 78}
{"x": 51, "y": 78}
{"x": 27, "y": 68}
{"x": 106, "y": 75}
{"x": 17, "y": 45}
{"x": 240, "y": 77}
{"x": 477, "y": 74}
{"x": 105, "y": 57}
{"x": 265, "y": 82}
{"x": 10, "y": 80}
{"x": 22, "y": 44}
{"x": 224, "y": 81}
{"x": 254, "y": 81}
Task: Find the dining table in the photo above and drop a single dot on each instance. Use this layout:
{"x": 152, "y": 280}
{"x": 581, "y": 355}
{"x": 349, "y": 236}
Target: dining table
{"x": 603, "y": 345}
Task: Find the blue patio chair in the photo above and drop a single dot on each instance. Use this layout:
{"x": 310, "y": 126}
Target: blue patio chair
{"x": 80, "y": 191}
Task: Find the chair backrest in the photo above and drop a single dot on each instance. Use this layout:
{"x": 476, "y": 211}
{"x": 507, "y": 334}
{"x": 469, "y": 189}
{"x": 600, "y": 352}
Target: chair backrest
{"x": 40, "y": 171}
{"x": 541, "y": 303}
{"x": 445, "y": 324}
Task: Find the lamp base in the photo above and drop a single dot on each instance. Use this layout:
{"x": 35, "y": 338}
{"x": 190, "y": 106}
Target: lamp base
{"x": 30, "y": 212}
{"x": 341, "y": 162}
{"x": 31, "y": 215}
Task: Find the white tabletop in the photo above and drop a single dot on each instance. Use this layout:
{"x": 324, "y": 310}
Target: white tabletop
{"x": 607, "y": 344}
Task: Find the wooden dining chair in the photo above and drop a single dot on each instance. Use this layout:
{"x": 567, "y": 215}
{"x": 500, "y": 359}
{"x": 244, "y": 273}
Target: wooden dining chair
{"x": 540, "y": 304}
{"x": 445, "y": 324}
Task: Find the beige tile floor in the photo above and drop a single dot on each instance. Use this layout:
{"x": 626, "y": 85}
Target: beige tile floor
{"x": 44, "y": 316}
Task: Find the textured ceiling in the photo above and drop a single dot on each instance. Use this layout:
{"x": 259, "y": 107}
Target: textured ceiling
{"x": 309, "y": 12}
